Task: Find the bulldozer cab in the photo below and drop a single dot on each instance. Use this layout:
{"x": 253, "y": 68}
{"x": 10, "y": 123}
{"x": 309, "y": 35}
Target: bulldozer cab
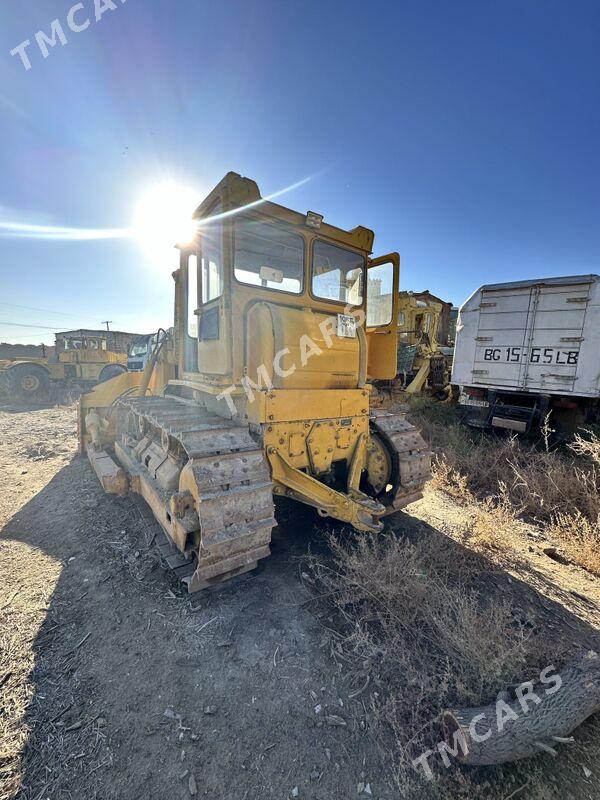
{"x": 418, "y": 319}
{"x": 86, "y": 343}
{"x": 260, "y": 276}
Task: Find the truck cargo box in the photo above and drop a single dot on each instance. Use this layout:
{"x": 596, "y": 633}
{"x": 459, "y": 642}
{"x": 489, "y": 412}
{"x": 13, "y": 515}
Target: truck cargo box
{"x": 537, "y": 338}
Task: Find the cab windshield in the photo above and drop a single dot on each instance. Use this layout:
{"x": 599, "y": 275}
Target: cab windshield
{"x": 337, "y": 273}
{"x": 270, "y": 256}
{"x": 138, "y": 349}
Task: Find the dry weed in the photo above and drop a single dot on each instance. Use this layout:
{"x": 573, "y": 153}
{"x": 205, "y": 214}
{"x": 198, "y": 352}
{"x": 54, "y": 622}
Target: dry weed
{"x": 423, "y": 639}
{"x": 587, "y": 446}
{"x": 579, "y": 538}
{"x": 503, "y": 478}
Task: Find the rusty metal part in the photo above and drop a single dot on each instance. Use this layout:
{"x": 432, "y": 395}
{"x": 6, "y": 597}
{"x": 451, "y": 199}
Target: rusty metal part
{"x": 410, "y": 457}
{"x": 360, "y": 510}
{"x": 111, "y": 476}
{"x": 379, "y": 464}
{"x": 206, "y": 480}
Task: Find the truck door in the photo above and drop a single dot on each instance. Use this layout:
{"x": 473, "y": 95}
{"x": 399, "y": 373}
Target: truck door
{"x": 501, "y": 336}
{"x": 554, "y": 335}
{"x": 382, "y": 316}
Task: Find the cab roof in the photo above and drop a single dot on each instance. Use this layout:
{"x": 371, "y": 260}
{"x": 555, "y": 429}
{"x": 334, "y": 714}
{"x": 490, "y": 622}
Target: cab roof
{"x": 235, "y": 192}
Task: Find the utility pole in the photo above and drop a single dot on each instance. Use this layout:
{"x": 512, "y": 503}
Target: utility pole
{"x": 107, "y": 322}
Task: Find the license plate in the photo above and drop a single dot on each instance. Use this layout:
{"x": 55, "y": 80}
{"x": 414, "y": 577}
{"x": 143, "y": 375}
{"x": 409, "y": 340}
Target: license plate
{"x": 466, "y": 400}
{"x": 535, "y": 355}
{"x": 346, "y": 326}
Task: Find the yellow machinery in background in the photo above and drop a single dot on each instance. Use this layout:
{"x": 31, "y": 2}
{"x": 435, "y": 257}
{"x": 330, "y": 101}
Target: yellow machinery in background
{"x": 86, "y": 363}
{"x": 262, "y": 389}
{"x": 423, "y": 366}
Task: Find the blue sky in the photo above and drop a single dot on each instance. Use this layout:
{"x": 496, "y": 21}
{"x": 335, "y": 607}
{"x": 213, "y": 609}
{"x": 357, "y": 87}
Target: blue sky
{"x": 466, "y": 134}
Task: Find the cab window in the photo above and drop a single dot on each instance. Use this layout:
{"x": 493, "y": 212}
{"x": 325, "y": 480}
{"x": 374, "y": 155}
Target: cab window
{"x": 337, "y": 273}
{"x": 380, "y": 303}
{"x": 268, "y": 256}
{"x": 189, "y": 264}
{"x": 212, "y": 258}
{"x": 192, "y": 296}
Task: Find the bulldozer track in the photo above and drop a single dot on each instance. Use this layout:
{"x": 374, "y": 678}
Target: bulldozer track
{"x": 220, "y": 525}
{"x": 230, "y": 519}
{"x": 411, "y": 458}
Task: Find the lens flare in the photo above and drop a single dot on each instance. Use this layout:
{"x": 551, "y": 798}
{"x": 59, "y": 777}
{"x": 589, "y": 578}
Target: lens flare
{"x": 24, "y": 230}
{"x": 163, "y": 218}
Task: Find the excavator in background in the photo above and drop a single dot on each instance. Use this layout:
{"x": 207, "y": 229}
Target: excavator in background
{"x": 262, "y": 389}
{"x": 85, "y": 362}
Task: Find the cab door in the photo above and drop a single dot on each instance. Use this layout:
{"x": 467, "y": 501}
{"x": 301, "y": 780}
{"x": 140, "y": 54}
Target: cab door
{"x": 214, "y": 319}
{"x": 382, "y": 315}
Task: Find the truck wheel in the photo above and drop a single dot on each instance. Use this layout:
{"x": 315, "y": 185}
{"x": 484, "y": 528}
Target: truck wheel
{"x": 110, "y": 371}
{"x": 28, "y": 382}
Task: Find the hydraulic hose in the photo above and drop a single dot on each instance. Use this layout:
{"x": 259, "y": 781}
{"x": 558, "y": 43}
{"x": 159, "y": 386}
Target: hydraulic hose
{"x": 149, "y": 368}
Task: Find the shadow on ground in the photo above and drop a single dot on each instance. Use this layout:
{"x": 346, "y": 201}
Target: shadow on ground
{"x": 140, "y": 691}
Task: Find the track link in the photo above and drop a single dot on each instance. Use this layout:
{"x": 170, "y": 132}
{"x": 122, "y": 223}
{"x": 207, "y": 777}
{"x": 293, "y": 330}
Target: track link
{"x": 411, "y": 458}
{"x": 219, "y": 524}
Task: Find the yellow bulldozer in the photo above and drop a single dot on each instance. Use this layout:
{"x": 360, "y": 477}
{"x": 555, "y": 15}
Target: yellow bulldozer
{"x": 423, "y": 366}
{"x": 422, "y": 363}
{"x": 85, "y": 363}
{"x": 261, "y": 390}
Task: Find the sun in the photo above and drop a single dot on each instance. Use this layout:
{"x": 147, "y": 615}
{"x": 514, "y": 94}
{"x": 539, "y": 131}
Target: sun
{"x": 163, "y": 218}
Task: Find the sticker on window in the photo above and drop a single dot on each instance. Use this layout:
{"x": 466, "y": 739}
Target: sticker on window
{"x": 346, "y": 326}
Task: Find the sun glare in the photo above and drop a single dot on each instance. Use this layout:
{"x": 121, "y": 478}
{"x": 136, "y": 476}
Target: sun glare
{"x": 163, "y": 218}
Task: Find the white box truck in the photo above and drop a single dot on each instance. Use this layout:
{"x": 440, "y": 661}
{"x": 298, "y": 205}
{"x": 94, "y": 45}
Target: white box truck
{"x": 528, "y": 348}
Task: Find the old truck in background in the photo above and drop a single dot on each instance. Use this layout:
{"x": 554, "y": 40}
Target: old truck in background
{"x": 139, "y": 352}
{"x": 141, "y": 348}
{"x": 84, "y": 362}
{"x": 528, "y": 349}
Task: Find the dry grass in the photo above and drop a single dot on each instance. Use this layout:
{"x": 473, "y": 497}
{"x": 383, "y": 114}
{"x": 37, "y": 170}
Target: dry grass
{"x": 423, "y": 639}
{"x": 579, "y": 538}
{"x": 504, "y": 478}
{"x": 425, "y": 630}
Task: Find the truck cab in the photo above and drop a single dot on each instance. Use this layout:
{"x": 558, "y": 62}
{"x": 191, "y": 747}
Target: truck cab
{"x": 139, "y": 352}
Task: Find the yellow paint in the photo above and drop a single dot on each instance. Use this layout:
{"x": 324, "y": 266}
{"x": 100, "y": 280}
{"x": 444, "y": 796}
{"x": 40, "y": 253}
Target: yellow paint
{"x": 315, "y": 444}
{"x": 281, "y": 356}
{"x": 307, "y": 352}
{"x": 383, "y": 340}
{"x": 295, "y": 404}
{"x": 362, "y": 513}
{"x": 84, "y": 364}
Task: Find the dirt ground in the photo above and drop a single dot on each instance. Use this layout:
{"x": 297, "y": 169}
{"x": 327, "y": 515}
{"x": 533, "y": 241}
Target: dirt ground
{"x": 115, "y": 684}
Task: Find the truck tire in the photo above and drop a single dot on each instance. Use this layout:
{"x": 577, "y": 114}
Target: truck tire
{"x": 110, "y": 371}
{"x": 28, "y": 382}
